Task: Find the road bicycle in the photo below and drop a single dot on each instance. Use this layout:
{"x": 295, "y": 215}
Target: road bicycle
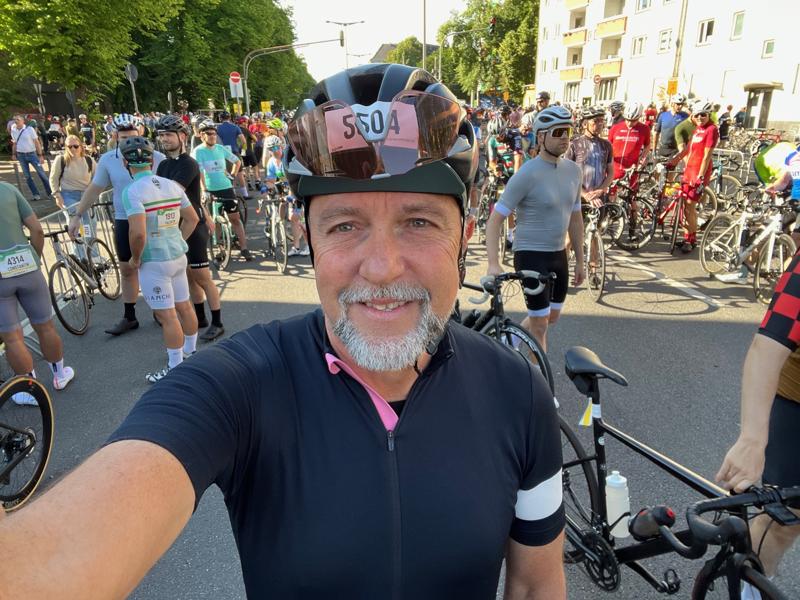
{"x": 494, "y": 322}
{"x": 491, "y": 194}
{"x": 589, "y": 541}
{"x": 274, "y": 227}
{"x": 26, "y": 439}
{"x": 725, "y": 187}
{"x": 752, "y": 240}
{"x": 220, "y": 238}
{"x": 594, "y": 255}
{"x": 73, "y": 281}
{"x": 637, "y": 214}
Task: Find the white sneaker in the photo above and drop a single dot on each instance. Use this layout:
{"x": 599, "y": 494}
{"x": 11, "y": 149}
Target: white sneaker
{"x": 188, "y": 354}
{"x": 305, "y": 251}
{"x": 61, "y": 382}
{"x": 294, "y": 252}
{"x": 157, "y": 375}
{"x": 24, "y": 399}
{"x": 739, "y": 276}
{"x": 749, "y": 592}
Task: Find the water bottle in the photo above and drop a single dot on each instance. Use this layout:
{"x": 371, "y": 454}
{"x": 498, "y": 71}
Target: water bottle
{"x": 617, "y": 504}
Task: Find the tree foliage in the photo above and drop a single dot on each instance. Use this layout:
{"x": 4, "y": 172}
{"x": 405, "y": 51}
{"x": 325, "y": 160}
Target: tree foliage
{"x": 81, "y": 44}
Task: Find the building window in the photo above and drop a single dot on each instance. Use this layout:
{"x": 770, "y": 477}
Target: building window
{"x": 558, "y": 29}
{"x": 579, "y": 21}
{"x": 607, "y": 90}
{"x": 544, "y": 66}
{"x": 572, "y": 92}
{"x": 769, "y": 49}
{"x": 555, "y": 64}
{"x": 637, "y": 48}
{"x": 544, "y": 33}
{"x": 705, "y": 32}
{"x": 643, "y": 4}
{"x": 738, "y": 25}
{"x": 664, "y": 40}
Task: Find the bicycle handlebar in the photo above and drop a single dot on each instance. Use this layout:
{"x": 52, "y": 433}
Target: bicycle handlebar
{"x": 490, "y": 283}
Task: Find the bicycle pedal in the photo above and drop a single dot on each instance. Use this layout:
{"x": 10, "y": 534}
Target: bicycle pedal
{"x": 671, "y": 582}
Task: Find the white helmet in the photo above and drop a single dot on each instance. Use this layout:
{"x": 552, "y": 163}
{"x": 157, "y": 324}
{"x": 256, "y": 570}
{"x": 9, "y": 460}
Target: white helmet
{"x": 702, "y": 106}
{"x": 494, "y": 126}
{"x": 633, "y": 111}
{"x": 550, "y": 117}
{"x": 125, "y": 122}
{"x": 679, "y": 98}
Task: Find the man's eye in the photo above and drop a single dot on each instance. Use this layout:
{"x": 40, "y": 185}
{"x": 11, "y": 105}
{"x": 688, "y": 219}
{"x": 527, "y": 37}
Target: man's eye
{"x": 420, "y": 222}
{"x": 343, "y": 228}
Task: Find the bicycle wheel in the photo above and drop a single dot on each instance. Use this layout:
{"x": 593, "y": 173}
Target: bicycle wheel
{"x": 516, "y": 337}
{"x": 718, "y": 245}
{"x": 26, "y": 439}
{"x": 641, "y": 226}
{"x": 105, "y": 269}
{"x": 280, "y": 246}
{"x": 770, "y": 268}
{"x": 726, "y": 187}
{"x": 713, "y": 582}
{"x": 69, "y": 299}
{"x": 615, "y": 221}
{"x": 219, "y": 246}
{"x": 595, "y": 265}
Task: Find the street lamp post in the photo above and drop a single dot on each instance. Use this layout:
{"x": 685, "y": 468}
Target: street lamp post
{"x": 343, "y": 25}
{"x": 424, "y": 32}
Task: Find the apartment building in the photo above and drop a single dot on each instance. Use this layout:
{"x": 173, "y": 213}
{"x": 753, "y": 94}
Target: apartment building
{"x": 740, "y": 52}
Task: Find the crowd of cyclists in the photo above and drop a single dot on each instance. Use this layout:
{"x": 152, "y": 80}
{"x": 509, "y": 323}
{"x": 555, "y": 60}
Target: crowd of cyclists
{"x": 169, "y": 173}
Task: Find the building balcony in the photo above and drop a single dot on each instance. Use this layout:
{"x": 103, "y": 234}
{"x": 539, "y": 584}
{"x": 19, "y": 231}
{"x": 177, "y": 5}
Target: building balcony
{"x": 611, "y": 27}
{"x": 608, "y": 68}
{"x": 576, "y": 4}
{"x": 572, "y": 74}
{"x": 575, "y": 37}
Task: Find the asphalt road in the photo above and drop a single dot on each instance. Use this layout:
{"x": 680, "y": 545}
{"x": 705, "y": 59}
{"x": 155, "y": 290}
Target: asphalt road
{"x": 679, "y": 337}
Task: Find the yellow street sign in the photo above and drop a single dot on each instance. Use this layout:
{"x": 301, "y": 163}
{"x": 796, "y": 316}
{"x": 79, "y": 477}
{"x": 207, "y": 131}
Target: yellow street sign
{"x": 266, "y": 106}
{"x": 237, "y": 109}
{"x": 672, "y": 86}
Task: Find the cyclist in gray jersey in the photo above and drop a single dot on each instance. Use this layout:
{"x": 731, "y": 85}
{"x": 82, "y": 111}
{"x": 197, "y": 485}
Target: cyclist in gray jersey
{"x": 546, "y": 193}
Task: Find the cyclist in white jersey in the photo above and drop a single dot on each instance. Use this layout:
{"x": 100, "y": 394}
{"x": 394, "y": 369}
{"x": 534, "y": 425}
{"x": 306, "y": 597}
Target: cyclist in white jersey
{"x": 546, "y": 193}
{"x": 160, "y": 219}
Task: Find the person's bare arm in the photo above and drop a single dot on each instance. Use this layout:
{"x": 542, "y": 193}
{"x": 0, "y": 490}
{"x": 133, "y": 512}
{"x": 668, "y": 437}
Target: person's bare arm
{"x": 707, "y": 152}
{"x": 535, "y": 572}
{"x": 189, "y": 221}
{"x": 99, "y": 530}
{"x": 744, "y": 462}
{"x": 493, "y": 228}
{"x": 36, "y": 232}
{"x": 89, "y": 197}
{"x": 137, "y": 236}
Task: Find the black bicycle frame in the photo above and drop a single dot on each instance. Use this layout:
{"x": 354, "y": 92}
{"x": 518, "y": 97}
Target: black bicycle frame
{"x": 630, "y": 555}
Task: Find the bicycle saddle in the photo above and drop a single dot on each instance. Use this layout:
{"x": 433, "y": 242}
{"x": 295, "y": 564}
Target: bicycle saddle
{"x": 582, "y": 361}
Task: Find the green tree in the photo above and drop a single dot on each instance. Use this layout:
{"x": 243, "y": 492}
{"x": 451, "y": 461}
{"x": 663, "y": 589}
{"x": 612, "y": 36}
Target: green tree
{"x": 407, "y": 52}
{"x": 81, "y": 44}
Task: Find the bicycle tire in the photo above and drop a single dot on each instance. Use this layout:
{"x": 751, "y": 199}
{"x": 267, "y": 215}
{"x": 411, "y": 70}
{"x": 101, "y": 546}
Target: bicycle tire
{"x": 718, "y": 245}
{"x": 533, "y": 351}
{"x": 219, "y": 246}
{"x": 280, "y": 247}
{"x": 707, "y": 208}
{"x": 105, "y": 270}
{"x": 616, "y": 221}
{"x": 767, "y": 274}
{"x": 66, "y": 287}
{"x": 20, "y": 482}
{"x": 706, "y": 584}
{"x": 639, "y": 231}
{"x": 726, "y": 187}
{"x": 595, "y": 276}
{"x": 677, "y": 214}
{"x": 581, "y": 494}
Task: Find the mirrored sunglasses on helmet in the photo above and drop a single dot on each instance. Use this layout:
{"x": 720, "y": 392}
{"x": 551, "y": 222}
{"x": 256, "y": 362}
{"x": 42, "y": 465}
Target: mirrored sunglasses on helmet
{"x": 558, "y": 132}
{"x": 385, "y": 138}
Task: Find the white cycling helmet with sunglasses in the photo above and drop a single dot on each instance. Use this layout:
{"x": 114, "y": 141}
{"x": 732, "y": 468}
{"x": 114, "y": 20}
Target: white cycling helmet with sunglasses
{"x": 702, "y": 106}
{"x": 679, "y": 98}
{"x": 126, "y": 122}
{"x": 550, "y": 117}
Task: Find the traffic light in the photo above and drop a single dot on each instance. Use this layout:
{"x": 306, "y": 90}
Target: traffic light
{"x": 341, "y": 38}
{"x": 492, "y": 23}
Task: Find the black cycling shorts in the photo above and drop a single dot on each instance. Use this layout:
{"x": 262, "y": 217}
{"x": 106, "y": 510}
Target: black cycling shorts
{"x": 121, "y": 240}
{"x": 226, "y": 198}
{"x": 544, "y": 262}
{"x": 250, "y": 159}
{"x": 197, "y": 254}
{"x": 782, "y": 467}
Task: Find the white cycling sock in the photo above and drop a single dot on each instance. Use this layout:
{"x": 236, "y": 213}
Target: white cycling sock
{"x": 174, "y": 357}
{"x": 189, "y": 343}
{"x": 244, "y": 191}
{"x": 58, "y": 368}
{"x": 749, "y": 592}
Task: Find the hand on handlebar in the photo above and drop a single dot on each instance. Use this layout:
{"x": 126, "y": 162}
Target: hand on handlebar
{"x": 742, "y": 467}
{"x": 494, "y": 270}
{"x": 74, "y": 226}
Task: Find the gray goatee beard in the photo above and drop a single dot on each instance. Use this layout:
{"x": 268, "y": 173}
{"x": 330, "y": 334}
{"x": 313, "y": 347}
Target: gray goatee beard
{"x": 388, "y": 353}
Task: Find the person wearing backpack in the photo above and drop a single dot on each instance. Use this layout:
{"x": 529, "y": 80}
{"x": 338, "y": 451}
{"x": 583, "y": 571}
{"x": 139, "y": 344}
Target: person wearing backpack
{"x": 71, "y": 174}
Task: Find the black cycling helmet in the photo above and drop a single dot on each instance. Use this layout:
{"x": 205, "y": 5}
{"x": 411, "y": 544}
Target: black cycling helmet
{"x": 171, "y": 123}
{"x": 590, "y": 112}
{"x": 224, "y": 115}
{"x": 543, "y": 95}
{"x": 137, "y": 150}
{"x": 365, "y": 85}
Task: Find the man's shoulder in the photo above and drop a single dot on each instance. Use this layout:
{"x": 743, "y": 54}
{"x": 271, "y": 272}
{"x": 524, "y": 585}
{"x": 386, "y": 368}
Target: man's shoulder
{"x": 475, "y": 351}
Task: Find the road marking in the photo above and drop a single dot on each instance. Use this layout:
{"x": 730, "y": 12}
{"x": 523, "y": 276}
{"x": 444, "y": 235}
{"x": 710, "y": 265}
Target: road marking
{"x": 681, "y": 286}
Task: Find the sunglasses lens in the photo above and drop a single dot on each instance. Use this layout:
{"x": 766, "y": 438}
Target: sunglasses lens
{"x": 561, "y": 132}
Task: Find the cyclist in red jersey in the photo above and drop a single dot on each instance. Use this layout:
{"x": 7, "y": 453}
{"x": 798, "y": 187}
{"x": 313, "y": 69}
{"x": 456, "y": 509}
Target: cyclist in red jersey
{"x": 650, "y": 114}
{"x": 698, "y": 167}
{"x": 630, "y": 140}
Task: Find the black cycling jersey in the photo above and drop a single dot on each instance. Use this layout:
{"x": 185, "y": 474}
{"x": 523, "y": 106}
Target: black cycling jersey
{"x": 185, "y": 170}
{"x": 324, "y": 501}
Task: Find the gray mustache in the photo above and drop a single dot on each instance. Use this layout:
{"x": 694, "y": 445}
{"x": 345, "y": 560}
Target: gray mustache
{"x": 398, "y": 291}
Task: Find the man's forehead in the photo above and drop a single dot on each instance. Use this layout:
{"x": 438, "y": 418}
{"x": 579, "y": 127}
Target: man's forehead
{"x": 358, "y": 202}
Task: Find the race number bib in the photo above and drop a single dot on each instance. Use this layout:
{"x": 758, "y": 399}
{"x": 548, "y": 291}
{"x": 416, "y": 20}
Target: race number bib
{"x": 168, "y": 218}
{"x": 17, "y": 261}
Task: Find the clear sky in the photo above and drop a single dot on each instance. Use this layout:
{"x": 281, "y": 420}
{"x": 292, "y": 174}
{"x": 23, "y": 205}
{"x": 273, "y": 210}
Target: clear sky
{"x": 385, "y": 23}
